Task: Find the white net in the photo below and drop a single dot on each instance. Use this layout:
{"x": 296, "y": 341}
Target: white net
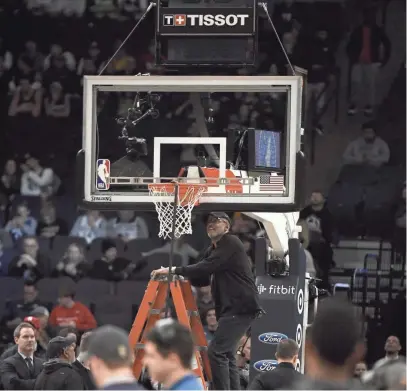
{"x": 188, "y": 196}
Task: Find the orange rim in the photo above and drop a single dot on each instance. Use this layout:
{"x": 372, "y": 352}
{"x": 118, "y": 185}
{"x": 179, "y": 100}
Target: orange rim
{"x": 184, "y": 193}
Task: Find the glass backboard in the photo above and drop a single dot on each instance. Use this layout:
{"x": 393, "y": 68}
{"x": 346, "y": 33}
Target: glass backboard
{"x": 240, "y": 135}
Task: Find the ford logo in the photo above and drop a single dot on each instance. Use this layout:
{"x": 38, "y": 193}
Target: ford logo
{"x": 272, "y": 338}
{"x": 265, "y": 365}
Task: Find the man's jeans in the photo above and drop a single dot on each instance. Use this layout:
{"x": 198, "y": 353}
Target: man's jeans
{"x": 222, "y": 351}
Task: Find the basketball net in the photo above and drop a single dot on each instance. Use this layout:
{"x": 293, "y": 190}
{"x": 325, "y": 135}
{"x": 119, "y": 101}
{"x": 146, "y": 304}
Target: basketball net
{"x": 175, "y": 215}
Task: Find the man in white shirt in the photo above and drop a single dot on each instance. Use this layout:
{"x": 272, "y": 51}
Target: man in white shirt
{"x": 369, "y": 149}
{"x": 36, "y": 180}
{"x": 392, "y": 348}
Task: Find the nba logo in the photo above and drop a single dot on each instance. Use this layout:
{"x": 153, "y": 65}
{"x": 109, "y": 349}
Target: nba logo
{"x": 103, "y": 174}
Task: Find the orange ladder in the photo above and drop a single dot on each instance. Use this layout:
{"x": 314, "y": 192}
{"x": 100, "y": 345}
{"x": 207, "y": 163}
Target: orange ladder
{"x": 153, "y": 304}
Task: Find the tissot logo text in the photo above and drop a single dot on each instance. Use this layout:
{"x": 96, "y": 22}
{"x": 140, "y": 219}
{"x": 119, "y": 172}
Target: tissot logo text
{"x": 219, "y": 20}
{"x": 272, "y": 338}
{"x": 282, "y": 290}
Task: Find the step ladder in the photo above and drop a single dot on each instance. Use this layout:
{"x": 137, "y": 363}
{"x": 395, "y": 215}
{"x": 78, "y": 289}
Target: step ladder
{"x": 150, "y": 310}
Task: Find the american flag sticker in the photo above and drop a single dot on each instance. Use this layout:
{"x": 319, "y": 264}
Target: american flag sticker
{"x": 271, "y": 183}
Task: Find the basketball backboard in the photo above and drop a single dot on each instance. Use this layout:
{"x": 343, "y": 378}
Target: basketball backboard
{"x": 240, "y": 134}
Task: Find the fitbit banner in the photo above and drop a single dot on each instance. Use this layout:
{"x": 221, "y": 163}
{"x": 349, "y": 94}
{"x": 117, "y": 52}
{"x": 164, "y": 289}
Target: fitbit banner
{"x": 206, "y": 21}
{"x": 283, "y": 300}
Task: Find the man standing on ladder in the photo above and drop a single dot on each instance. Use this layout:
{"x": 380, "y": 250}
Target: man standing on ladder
{"x": 234, "y": 292}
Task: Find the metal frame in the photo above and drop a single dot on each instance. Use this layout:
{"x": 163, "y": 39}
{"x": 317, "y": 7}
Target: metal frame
{"x": 290, "y": 84}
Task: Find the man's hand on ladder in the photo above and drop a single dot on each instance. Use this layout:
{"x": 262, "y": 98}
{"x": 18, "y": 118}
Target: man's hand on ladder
{"x": 163, "y": 271}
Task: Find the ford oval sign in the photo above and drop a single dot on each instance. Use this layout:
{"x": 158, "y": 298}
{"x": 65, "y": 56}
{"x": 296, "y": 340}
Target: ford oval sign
{"x": 265, "y": 365}
{"x": 272, "y": 338}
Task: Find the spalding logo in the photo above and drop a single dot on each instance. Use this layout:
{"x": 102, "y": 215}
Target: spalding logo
{"x": 265, "y": 365}
{"x": 272, "y": 338}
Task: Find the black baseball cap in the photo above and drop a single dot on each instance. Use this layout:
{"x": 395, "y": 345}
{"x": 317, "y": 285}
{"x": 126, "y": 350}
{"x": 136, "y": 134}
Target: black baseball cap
{"x": 221, "y": 215}
{"x": 110, "y": 344}
{"x": 58, "y": 344}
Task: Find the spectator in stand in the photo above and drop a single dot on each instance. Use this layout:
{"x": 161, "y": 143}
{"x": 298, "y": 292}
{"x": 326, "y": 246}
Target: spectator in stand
{"x": 111, "y": 266}
{"x": 127, "y": 226}
{"x": 368, "y": 50}
{"x": 392, "y": 349}
{"x": 121, "y": 60}
{"x": 320, "y": 225}
{"x": 360, "y": 369}
{"x": 334, "y": 345}
{"x": 31, "y": 263}
{"x": 204, "y": 298}
{"x": 320, "y": 63}
{"x": 80, "y": 363}
{"x": 10, "y": 180}
{"x": 22, "y": 224}
{"x": 44, "y": 330}
{"x": 91, "y": 63}
{"x": 30, "y": 61}
{"x": 38, "y": 180}
{"x": 89, "y": 226}
{"x": 19, "y": 372}
{"x": 243, "y": 360}
{"x": 58, "y": 372}
{"x": 26, "y": 101}
{"x": 73, "y": 263}
{"x": 71, "y": 313}
{"x": 57, "y": 103}
{"x": 211, "y": 324}
{"x": 56, "y": 52}
{"x": 49, "y": 224}
{"x": 20, "y": 309}
{"x": 369, "y": 149}
{"x": 6, "y": 77}
{"x": 59, "y": 72}
{"x": 6, "y": 57}
{"x": 284, "y": 374}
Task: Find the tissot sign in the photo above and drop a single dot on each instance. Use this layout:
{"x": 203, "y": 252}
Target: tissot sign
{"x": 207, "y": 21}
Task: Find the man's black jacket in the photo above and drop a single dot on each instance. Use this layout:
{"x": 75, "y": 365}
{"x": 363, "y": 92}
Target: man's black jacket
{"x": 15, "y": 374}
{"x": 58, "y": 375}
{"x": 282, "y": 377}
{"x": 233, "y": 287}
{"x": 85, "y": 375}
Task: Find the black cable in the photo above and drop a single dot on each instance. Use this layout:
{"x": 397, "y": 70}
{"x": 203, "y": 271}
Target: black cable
{"x": 264, "y": 6}
{"x": 151, "y": 5}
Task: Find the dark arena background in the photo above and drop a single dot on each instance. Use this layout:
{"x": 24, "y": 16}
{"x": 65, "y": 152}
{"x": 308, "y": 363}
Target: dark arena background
{"x": 71, "y": 263}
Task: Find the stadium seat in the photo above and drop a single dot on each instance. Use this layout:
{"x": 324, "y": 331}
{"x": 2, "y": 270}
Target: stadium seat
{"x": 344, "y": 201}
{"x": 131, "y": 291}
{"x": 156, "y": 261}
{"x": 61, "y": 243}
{"x": 11, "y": 288}
{"x": 5, "y": 259}
{"x": 379, "y": 208}
{"x": 95, "y": 248}
{"x": 137, "y": 246}
{"x": 113, "y": 310}
{"x": 358, "y": 174}
{"x": 89, "y": 289}
{"x": 33, "y": 203}
{"x": 49, "y": 288}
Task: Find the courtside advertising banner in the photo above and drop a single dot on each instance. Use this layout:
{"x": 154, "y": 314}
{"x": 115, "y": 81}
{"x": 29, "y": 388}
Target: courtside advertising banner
{"x": 207, "y": 21}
